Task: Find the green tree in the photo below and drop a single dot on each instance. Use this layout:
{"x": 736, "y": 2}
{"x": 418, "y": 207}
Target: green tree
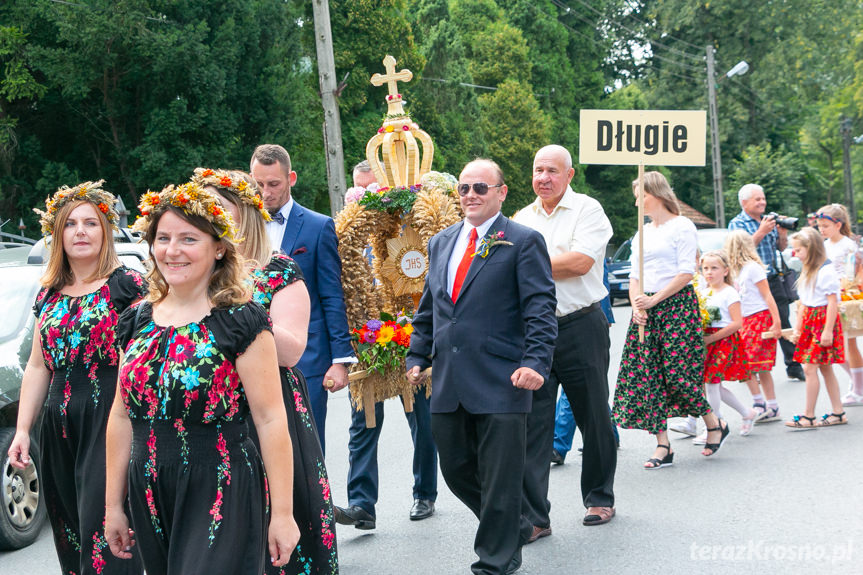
{"x": 444, "y": 106}
{"x": 364, "y": 31}
{"x": 140, "y": 92}
{"x": 778, "y": 171}
{"x": 515, "y": 128}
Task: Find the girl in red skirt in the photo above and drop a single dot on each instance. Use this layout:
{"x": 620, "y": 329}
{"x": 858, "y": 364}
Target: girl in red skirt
{"x": 818, "y": 333}
{"x": 724, "y": 358}
{"x": 760, "y": 316}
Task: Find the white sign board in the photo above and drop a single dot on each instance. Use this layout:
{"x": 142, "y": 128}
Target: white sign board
{"x": 654, "y": 137}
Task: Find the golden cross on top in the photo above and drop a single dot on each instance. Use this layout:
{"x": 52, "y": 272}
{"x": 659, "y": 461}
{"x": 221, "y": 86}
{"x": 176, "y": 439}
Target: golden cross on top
{"x": 391, "y": 77}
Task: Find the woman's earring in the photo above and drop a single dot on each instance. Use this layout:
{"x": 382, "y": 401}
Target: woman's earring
{"x": 219, "y": 256}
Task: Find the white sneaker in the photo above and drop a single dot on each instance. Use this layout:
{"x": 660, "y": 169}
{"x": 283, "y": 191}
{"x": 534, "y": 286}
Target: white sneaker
{"x": 851, "y": 399}
{"x": 701, "y": 439}
{"x": 687, "y": 427}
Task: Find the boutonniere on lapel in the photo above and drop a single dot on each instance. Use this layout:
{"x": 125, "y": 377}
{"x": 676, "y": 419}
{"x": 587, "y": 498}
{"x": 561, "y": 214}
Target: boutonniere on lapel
{"x": 490, "y": 240}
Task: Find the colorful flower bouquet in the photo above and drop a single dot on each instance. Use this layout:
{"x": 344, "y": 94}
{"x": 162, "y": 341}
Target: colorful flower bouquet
{"x": 391, "y": 200}
{"x": 382, "y": 344}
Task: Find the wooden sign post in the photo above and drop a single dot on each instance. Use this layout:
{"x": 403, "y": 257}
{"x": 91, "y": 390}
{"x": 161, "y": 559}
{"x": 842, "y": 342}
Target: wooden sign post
{"x": 639, "y": 137}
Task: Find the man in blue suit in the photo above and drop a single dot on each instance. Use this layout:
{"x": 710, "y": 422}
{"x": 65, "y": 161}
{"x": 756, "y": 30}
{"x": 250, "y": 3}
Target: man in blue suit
{"x": 486, "y": 326}
{"x": 310, "y": 239}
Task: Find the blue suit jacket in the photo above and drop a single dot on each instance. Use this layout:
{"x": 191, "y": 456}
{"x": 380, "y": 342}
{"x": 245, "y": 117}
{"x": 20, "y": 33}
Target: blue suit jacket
{"x": 503, "y": 319}
{"x": 310, "y": 239}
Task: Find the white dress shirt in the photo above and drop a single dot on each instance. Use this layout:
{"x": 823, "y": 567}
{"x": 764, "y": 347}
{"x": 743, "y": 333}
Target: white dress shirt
{"x": 461, "y": 245}
{"x": 576, "y": 224}
{"x": 275, "y": 230}
{"x": 826, "y": 283}
{"x": 751, "y": 300}
{"x": 669, "y": 249}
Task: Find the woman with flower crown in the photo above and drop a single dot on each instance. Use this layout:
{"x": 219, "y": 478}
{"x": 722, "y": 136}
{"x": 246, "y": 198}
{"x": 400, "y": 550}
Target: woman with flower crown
{"x": 199, "y": 360}
{"x": 278, "y": 286}
{"x": 73, "y": 364}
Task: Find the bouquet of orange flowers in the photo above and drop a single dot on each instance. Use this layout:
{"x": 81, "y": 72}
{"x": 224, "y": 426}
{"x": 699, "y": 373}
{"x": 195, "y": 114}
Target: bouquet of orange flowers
{"x": 382, "y": 344}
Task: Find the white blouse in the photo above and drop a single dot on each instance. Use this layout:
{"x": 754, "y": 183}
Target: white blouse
{"x": 669, "y": 249}
{"x": 751, "y": 300}
{"x": 838, "y": 253}
{"x": 826, "y": 283}
{"x": 722, "y": 299}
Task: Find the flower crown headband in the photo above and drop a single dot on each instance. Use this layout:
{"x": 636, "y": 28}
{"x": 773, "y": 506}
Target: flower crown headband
{"x": 194, "y": 200}
{"x": 222, "y": 179}
{"x": 88, "y": 192}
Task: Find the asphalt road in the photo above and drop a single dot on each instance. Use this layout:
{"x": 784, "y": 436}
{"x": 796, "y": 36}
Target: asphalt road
{"x": 776, "y": 501}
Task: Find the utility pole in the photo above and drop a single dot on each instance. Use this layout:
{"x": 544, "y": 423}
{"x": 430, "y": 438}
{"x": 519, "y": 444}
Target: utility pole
{"x": 332, "y": 122}
{"x": 718, "y": 202}
{"x": 845, "y": 130}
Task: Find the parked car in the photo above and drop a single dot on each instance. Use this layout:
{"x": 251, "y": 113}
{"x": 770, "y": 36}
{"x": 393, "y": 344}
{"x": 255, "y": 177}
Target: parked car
{"x": 22, "y": 507}
{"x": 619, "y": 266}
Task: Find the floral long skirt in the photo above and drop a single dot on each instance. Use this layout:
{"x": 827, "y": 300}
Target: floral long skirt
{"x": 809, "y": 348}
{"x": 662, "y": 377}
{"x": 725, "y": 360}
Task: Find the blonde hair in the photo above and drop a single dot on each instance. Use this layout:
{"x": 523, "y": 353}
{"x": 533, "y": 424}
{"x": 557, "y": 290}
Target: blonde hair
{"x": 253, "y": 242}
{"x": 838, "y": 212}
{"x": 657, "y": 186}
{"x": 228, "y": 284}
{"x": 723, "y": 259}
{"x": 58, "y": 273}
{"x": 816, "y": 255}
{"x": 740, "y": 249}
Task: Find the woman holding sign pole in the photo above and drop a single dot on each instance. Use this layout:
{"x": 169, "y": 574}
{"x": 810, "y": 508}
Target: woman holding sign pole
{"x": 660, "y": 377}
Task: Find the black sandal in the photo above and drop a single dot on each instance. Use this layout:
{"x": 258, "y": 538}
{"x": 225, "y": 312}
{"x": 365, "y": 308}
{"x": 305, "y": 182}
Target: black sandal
{"x": 658, "y": 463}
{"x": 714, "y": 447}
{"x": 796, "y": 425}
{"x": 840, "y": 419}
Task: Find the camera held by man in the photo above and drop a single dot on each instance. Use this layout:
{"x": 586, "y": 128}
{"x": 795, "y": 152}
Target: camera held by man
{"x": 786, "y": 222}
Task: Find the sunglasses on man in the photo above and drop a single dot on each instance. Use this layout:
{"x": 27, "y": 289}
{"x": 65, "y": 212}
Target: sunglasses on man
{"x": 479, "y": 188}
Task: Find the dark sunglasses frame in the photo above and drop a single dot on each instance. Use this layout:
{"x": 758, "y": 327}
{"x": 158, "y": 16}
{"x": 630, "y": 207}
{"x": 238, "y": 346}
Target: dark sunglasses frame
{"x": 480, "y": 188}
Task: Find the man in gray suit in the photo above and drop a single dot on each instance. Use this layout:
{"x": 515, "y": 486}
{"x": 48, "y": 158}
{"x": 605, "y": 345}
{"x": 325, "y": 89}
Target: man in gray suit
{"x": 486, "y": 325}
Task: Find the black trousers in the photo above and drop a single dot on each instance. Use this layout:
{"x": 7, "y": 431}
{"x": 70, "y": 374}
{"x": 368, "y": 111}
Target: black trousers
{"x": 580, "y": 365}
{"x": 482, "y": 460}
{"x": 782, "y": 303}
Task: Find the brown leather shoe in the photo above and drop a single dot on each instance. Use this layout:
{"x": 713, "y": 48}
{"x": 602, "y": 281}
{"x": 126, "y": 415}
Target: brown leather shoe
{"x": 598, "y": 515}
{"x": 539, "y": 532}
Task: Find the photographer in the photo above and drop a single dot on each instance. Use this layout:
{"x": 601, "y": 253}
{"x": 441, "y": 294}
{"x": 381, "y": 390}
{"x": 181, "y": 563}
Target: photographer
{"x": 770, "y": 233}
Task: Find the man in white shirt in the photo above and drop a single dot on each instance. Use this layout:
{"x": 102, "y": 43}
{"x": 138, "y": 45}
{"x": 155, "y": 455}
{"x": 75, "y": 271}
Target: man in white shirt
{"x": 576, "y": 232}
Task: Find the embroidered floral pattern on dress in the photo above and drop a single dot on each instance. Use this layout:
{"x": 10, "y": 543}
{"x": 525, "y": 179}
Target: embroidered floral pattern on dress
{"x": 223, "y": 474}
{"x": 99, "y": 545}
{"x": 199, "y": 373}
{"x": 66, "y": 322}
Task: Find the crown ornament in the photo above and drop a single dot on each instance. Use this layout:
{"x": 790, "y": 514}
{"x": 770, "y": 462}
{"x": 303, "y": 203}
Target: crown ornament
{"x": 394, "y": 153}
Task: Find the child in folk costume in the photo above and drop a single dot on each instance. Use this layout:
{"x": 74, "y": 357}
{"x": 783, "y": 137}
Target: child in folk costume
{"x": 760, "y": 316}
{"x": 724, "y": 358}
{"x": 818, "y": 333}
{"x": 842, "y": 251}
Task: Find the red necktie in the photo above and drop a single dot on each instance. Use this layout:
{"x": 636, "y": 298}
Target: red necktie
{"x": 464, "y": 265}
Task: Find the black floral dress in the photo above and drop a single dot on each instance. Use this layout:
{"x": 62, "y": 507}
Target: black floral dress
{"x": 77, "y": 334}
{"x": 197, "y": 489}
{"x": 313, "y": 506}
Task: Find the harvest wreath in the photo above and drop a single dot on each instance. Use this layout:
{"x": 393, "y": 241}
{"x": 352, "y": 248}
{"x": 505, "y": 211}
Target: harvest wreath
{"x": 391, "y": 284}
